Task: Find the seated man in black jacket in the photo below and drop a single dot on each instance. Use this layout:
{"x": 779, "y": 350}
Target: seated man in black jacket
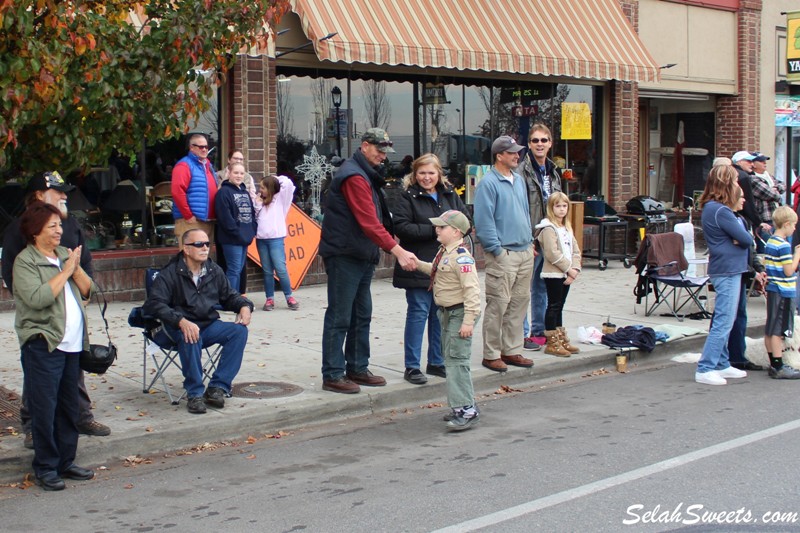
{"x": 183, "y": 297}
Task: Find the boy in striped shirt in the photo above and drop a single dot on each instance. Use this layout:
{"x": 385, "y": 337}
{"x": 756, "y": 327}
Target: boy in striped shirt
{"x": 781, "y": 267}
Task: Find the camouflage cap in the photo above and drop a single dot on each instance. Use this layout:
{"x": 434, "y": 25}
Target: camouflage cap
{"x": 453, "y": 218}
{"x": 379, "y": 138}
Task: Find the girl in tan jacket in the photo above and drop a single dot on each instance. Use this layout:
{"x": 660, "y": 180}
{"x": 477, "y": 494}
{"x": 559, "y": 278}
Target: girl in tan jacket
{"x": 562, "y": 266}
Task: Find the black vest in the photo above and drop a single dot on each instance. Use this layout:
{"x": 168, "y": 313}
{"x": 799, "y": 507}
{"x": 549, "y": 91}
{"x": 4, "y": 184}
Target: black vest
{"x": 341, "y": 233}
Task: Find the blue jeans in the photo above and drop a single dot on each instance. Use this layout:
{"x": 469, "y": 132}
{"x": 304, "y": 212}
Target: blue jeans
{"x": 715, "y": 351}
{"x": 421, "y": 310}
{"x": 736, "y": 343}
{"x": 234, "y": 261}
{"x": 232, "y": 337}
{"x": 348, "y": 317}
{"x": 273, "y": 259}
{"x": 538, "y": 300}
{"x": 51, "y": 381}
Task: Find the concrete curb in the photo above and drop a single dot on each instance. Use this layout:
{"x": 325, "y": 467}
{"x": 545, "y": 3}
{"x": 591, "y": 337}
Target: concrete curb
{"x": 303, "y": 412}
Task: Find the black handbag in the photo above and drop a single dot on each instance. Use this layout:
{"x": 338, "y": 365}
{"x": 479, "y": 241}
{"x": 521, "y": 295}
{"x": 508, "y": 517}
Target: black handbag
{"x": 99, "y": 357}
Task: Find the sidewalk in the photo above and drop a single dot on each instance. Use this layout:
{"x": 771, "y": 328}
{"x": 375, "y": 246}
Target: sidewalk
{"x": 284, "y": 346}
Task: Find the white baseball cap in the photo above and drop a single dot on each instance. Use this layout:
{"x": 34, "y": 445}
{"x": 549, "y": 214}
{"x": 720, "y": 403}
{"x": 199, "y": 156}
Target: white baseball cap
{"x": 742, "y": 155}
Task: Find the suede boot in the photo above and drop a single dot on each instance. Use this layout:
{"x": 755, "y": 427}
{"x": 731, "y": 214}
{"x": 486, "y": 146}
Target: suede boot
{"x": 553, "y": 346}
{"x": 562, "y": 331}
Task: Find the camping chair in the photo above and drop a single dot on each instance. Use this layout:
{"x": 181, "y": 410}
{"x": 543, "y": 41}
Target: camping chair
{"x": 661, "y": 265}
{"x": 161, "y": 349}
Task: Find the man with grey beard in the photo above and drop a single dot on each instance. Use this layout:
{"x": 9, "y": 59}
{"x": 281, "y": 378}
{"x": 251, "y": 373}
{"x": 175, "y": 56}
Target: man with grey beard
{"x": 50, "y": 188}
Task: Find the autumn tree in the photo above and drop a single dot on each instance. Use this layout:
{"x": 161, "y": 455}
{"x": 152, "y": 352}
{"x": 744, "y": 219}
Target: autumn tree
{"x": 79, "y": 79}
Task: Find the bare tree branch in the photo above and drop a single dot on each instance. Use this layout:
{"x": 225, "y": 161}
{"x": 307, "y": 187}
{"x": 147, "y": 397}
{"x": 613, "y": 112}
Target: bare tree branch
{"x": 379, "y": 112}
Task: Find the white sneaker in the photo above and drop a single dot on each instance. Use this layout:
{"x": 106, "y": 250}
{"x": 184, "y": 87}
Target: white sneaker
{"x": 710, "y": 378}
{"x": 732, "y": 372}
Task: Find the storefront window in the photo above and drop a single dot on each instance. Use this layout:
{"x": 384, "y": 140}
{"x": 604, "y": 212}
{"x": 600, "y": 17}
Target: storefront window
{"x": 456, "y": 121}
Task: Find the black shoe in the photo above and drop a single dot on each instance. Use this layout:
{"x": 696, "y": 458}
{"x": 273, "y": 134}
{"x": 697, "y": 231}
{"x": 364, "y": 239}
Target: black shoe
{"x": 749, "y": 365}
{"x": 77, "y": 472}
{"x": 215, "y": 397}
{"x": 196, "y": 405}
{"x": 436, "y": 370}
{"x": 94, "y": 428}
{"x": 413, "y": 375}
{"x": 50, "y": 481}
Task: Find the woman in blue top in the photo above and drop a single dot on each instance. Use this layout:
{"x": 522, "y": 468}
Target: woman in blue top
{"x": 728, "y": 247}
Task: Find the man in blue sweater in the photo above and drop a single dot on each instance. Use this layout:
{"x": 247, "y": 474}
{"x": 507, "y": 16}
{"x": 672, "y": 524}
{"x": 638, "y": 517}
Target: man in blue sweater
{"x": 503, "y": 227}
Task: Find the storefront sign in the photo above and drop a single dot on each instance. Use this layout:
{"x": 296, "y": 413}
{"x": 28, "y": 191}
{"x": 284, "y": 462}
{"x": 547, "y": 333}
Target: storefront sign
{"x": 434, "y": 94}
{"x": 301, "y": 245}
{"x": 525, "y": 110}
{"x": 793, "y": 47}
{"x": 787, "y": 112}
{"x": 526, "y": 94}
{"x": 343, "y": 123}
{"x": 576, "y": 121}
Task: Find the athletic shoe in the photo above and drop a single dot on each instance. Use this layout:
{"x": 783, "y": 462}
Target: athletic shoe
{"x": 292, "y": 303}
{"x": 269, "y": 305}
{"x": 732, "y": 373}
{"x": 415, "y": 376}
{"x": 785, "y": 372}
{"x": 710, "y": 378}
{"x": 532, "y": 345}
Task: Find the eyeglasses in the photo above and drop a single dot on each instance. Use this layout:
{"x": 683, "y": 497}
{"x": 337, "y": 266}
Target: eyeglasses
{"x": 543, "y": 140}
{"x": 199, "y": 244}
{"x": 384, "y": 144}
{"x": 200, "y": 146}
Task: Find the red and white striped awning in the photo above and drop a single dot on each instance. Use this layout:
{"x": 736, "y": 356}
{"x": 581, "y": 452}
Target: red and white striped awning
{"x": 571, "y": 38}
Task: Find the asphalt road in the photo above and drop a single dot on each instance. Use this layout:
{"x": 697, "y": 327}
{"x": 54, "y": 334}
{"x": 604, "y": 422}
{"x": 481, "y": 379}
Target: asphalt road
{"x": 645, "y": 451}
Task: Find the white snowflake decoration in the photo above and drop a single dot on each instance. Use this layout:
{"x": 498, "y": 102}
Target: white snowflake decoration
{"x": 314, "y": 168}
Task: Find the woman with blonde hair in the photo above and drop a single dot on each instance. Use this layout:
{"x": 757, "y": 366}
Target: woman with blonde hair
{"x": 427, "y": 194}
{"x": 729, "y": 243}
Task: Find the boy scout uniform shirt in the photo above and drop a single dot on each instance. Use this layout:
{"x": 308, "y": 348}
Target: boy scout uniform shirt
{"x": 456, "y": 281}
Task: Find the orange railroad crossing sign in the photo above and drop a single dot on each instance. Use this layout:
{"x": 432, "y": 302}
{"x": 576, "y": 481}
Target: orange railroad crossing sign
{"x": 301, "y": 244}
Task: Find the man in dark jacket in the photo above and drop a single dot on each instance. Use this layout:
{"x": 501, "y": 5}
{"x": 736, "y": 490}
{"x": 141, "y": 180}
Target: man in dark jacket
{"x": 357, "y": 225}
{"x": 51, "y": 188}
{"x": 743, "y": 163}
{"x": 183, "y": 297}
{"x": 542, "y": 178}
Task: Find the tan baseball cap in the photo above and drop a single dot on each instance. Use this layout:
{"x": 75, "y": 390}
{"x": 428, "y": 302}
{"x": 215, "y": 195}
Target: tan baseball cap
{"x": 453, "y": 218}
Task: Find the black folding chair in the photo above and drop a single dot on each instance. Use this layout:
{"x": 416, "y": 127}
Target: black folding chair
{"x": 162, "y": 349}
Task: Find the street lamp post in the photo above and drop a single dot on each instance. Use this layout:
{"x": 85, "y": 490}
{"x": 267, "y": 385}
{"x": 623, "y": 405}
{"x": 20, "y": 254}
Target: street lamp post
{"x": 336, "y": 96}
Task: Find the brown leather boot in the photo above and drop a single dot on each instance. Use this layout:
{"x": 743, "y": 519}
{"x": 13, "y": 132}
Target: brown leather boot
{"x": 562, "y": 331}
{"x": 554, "y": 346}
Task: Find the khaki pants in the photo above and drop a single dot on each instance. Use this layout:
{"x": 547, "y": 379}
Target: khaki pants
{"x": 508, "y": 295}
{"x": 181, "y": 227}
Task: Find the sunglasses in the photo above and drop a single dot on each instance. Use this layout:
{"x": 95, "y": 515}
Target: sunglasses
{"x": 383, "y": 144}
{"x": 200, "y": 146}
{"x": 543, "y": 140}
{"x": 199, "y": 244}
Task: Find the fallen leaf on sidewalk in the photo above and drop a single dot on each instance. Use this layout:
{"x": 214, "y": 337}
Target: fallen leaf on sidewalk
{"x": 251, "y": 456}
{"x": 251, "y": 440}
{"x": 278, "y": 435}
{"x": 598, "y": 372}
{"x": 127, "y": 486}
{"x": 505, "y": 389}
{"x": 148, "y": 429}
{"x": 432, "y": 405}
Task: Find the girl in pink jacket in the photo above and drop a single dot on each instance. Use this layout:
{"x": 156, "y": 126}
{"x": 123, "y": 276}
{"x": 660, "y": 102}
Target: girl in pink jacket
{"x": 272, "y": 204}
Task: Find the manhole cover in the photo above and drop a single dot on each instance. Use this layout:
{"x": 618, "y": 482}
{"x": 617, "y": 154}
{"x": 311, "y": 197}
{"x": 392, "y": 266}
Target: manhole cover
{"x": 265, "y": 389}
{"x": 9, "y": 405}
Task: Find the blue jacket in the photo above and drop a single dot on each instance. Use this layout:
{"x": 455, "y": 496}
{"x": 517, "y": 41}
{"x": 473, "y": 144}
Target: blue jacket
{"x": 236, "y": 218}
{"x": 721, "y": 228}
{"x": 502, "y": 213}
